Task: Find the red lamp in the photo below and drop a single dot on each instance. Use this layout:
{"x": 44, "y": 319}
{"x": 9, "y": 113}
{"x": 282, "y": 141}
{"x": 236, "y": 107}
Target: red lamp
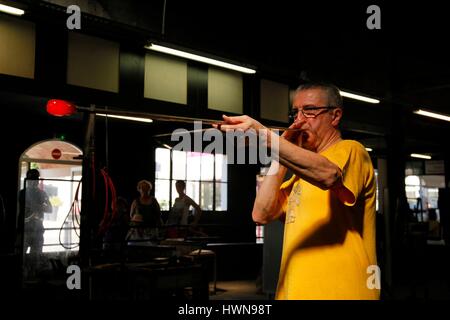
{"x": 61, "y": 108}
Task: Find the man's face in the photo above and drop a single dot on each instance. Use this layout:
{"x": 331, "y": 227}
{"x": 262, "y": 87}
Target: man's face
{"x": 314, "y": 131}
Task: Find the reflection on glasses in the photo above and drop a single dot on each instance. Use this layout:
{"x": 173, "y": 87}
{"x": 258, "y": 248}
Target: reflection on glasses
{"x": 308, "y": 111}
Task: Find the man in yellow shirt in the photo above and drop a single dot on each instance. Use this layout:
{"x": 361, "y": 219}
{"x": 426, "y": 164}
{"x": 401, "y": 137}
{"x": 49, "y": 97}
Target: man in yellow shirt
{"x": 328, "y": 205}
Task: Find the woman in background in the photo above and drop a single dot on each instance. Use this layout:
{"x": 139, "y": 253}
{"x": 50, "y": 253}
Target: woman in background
{"x": 179, "y": 214}
{"x": 145, "y": 214}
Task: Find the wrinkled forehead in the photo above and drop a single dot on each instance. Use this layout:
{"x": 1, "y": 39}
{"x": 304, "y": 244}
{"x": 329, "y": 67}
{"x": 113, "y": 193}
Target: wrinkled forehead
{"x": 315, "y": 97}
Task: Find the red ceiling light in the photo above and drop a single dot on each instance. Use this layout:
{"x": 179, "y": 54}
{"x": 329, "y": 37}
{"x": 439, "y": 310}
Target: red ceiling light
{"x": 60, "y": 108}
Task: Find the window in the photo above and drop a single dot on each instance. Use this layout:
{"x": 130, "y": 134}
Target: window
{"x": 422, "y": 193}
{"x": 412, "y": 188}
{"x": 205, "y": 175}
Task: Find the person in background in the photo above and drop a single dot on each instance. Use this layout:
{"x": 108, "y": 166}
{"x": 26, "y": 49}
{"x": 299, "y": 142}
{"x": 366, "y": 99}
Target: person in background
{"x": 115, "y": 234}
{"x": 179, "y": 214}
{"x": 33, "y": 203}
{"x": 145, "y": 214}
{"x": 434, "y": 228}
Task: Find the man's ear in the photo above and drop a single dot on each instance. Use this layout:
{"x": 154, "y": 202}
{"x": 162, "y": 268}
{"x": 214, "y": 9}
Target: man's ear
{"x": 337, "y": 115}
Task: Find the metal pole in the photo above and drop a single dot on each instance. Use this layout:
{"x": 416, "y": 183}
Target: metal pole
{"x": 88, "y": 197}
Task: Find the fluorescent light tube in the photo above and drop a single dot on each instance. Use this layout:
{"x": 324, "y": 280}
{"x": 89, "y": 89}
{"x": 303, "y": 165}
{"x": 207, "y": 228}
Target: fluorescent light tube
{"x": 11, "y": 10}
{"x": 420, "y": 156}
{"x": 369, "y": 149}
{"x": 359, "y": 97}
{"x": 432, "y": 115}
{"x": 125, "y": 117}
{"x": 196, "y": 57}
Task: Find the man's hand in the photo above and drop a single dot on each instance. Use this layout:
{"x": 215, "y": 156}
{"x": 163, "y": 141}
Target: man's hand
{"x": 294, "y": 136}
{"x": 245, "y": 123}
{"x": 242, "y": 123}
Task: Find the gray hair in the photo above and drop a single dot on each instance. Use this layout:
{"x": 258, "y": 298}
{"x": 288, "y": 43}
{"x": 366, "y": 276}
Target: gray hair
{"x": 332, "y": 92}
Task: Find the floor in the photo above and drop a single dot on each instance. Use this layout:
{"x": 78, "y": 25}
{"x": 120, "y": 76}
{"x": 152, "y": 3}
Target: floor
{"x": 237, "y": 290}
{"x": 430, "y": 289}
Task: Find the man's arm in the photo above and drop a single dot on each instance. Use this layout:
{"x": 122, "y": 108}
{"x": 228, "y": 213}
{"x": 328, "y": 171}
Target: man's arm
{"x": 269, "y": 199}
{"x": 46, "y": 205}
{"x": 310, "y": 166}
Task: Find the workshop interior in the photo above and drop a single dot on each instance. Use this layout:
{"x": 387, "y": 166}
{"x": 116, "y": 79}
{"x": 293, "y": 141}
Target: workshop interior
{"x": 104, "y": 99}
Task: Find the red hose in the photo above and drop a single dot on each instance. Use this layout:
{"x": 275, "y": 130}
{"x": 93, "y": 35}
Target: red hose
{"x": 108, "y": 218}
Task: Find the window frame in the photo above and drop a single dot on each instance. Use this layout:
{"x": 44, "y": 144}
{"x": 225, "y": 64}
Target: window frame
{"x": 215, "y": 182}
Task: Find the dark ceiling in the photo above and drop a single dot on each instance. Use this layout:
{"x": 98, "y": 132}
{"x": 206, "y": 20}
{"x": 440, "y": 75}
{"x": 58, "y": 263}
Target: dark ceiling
{"x": 405, "y": 63}
{"x": 407, "y": 60}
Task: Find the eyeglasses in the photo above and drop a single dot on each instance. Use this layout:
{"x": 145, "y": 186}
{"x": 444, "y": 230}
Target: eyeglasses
{"x": 308, "y": 111}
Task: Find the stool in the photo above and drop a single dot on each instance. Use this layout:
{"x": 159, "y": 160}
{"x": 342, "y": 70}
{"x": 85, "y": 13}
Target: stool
{"x": 200, "y": 254}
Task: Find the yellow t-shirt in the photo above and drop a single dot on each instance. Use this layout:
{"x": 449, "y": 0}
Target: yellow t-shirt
{"x": 329, "y": 245}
